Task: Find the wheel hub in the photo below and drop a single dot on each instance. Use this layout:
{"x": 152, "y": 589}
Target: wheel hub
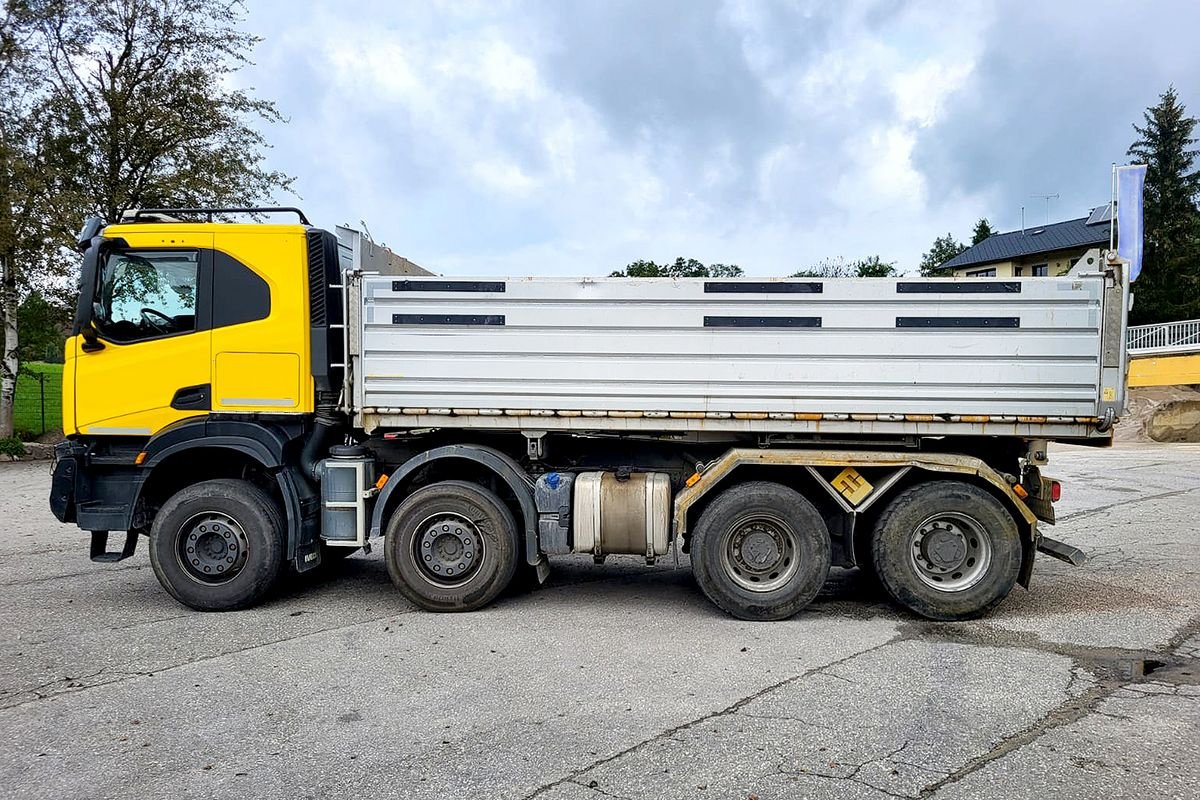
{"x": 951, "y": 551}
{"x": 945, "y": 549}
{"x": 760, "y": 553}
{"x": 449, "y": 548}
{"x": 212, "y": 548}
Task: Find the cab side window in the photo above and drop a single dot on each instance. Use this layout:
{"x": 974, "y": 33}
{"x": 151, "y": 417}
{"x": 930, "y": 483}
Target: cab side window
{"x": 147, "y": 294}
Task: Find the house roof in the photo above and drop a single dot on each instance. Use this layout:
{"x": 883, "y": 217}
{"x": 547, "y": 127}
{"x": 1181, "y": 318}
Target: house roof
{"x": 1072, "y": 234}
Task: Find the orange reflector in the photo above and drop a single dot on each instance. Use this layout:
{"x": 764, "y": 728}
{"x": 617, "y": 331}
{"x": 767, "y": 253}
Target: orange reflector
{"x": 383, "y": 479}
{"x": 1020, "y": 492}
{"x": 141, "y": 458}
{"x": 692, "y": 481}
{"x": 1055, "y": 491}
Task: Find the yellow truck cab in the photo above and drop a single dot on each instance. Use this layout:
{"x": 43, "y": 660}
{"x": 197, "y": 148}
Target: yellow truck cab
{"x": 200, "y": 350}
{"x": 254, "y": 397}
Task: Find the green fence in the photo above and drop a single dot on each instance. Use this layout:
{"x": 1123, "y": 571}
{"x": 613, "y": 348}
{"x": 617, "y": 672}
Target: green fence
{"x": 38, "y": 406}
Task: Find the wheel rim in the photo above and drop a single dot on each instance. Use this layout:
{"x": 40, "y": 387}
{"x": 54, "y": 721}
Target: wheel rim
{"x": 212, "y": 548}
{"x": 950, "y": 551}
{"x": 760, "y": 553}
{"x": 448, "y": 549}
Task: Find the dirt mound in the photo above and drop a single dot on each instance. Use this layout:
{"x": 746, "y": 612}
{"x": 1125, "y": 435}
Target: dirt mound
{"x": 1161, "y": 414}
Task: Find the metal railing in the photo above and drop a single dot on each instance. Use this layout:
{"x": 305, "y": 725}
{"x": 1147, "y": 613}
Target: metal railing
{"x": 1167, "y": 337}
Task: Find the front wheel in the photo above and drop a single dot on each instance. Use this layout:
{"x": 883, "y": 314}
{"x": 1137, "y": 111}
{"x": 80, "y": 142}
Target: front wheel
{"x": 218, "y": 545}
{"x": 946, "y": 550}
{"x": 761, "y": 551}
{"x": 451, "y": 546}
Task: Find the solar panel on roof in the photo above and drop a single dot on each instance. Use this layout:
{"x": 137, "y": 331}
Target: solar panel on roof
{"x": 1100, "y": 214}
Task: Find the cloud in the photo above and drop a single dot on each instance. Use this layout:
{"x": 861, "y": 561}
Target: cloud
{"x": 572, "y": 138}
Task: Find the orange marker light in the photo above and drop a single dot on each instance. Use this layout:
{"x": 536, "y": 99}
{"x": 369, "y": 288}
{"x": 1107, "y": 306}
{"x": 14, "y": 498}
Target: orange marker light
{"x": 694, "y": 479}
{"x": 383, "y": 479}
{"x": 141, "y": 458}
{"x": 1020, "y": 492}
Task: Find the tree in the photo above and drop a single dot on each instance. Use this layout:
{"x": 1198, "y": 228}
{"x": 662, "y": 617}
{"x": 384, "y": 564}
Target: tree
{"x": 43, "y": 324}
{"x": 681, "y": 268}
{"x": 134, "y": 108}
{"x": 1169, "y": 286}
{"x": 944, "y": 248}
{"x": 869, "y": 267}
{"x": 983, "y": 229}
{"x": 26, "y": 182}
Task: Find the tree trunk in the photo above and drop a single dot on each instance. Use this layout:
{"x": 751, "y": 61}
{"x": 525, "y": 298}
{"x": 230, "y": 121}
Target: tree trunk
{"x": 9, "y": 365}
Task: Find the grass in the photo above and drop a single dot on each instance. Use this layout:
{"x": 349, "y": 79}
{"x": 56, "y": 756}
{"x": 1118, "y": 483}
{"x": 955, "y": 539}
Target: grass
{"x": 27, "y": 419}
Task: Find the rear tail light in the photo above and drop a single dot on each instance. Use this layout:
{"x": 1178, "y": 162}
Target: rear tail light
{"x": 1055, "y": 491}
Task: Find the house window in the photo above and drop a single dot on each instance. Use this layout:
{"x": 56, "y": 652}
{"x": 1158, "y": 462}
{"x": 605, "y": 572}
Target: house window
{"x": 1041, "y": 270}
{"x": 1018, "y": 271}
{"x": 990, "y": 272}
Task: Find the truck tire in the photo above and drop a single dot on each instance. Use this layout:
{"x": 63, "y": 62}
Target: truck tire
{"x": 218, "y": 545}
{"x": 760, "y": 551}
{"x": 946, "y": 550}
{"x": 451, "y": 546}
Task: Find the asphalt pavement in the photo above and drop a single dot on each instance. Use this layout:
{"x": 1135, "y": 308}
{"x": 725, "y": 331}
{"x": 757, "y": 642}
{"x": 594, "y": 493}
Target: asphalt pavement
{"x": 618, "y": 680}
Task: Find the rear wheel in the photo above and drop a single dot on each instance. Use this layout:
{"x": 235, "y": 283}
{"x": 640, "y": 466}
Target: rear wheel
{"x": 451, "y": 546}
{"x": 946, "y": 550}
{"x": 760, "y": 551}
{"x": 217, "y": 545}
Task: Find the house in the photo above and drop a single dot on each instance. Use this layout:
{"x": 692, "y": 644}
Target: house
{"x": 1035, "y": 251}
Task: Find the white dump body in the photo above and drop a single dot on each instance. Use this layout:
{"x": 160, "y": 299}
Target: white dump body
{"x": 1038, "y": 357}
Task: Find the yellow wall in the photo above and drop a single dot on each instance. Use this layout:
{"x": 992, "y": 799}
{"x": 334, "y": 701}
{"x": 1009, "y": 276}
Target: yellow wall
{"x": 1165, "y": 370}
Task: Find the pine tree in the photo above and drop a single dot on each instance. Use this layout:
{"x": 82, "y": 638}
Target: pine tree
{"x": 1169, "y": 286}
{"x": 983, "y": 229}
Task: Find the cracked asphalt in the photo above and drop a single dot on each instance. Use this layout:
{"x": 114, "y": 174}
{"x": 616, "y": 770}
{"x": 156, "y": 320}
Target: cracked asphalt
{"x": 617, "y": 680}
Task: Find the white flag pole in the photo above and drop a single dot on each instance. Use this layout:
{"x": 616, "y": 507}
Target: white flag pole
{"x": 1112, "y": 211}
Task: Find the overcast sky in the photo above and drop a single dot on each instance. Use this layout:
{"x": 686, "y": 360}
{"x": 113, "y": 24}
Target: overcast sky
{"x": 568, "y": 138}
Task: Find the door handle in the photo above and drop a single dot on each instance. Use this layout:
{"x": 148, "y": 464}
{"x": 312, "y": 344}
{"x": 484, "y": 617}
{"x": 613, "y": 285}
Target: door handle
{"x": 193, "y": 398}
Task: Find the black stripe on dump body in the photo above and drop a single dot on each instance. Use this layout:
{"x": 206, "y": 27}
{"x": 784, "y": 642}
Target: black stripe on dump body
{"x": 762, "y": 322}
{"x": 763, "y": 287}
{"x": 958, "y": 322}
{"x": 958, "y": 287}
{"x": 447, "y": 286}
{"x": 447, "y": 319}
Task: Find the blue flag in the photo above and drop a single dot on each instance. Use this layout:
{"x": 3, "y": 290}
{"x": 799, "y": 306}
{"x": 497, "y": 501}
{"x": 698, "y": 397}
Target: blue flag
{"x": 1130, "y": 180}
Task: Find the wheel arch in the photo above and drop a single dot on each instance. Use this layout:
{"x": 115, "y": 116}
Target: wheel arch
{"x": 493, "y": 462}
{"x": 203, "y": 448}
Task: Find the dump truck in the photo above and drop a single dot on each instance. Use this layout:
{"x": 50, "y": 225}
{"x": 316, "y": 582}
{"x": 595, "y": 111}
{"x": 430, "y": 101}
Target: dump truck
{"x": 253, "y": 401}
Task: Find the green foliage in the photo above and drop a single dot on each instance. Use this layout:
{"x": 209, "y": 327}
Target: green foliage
{"x": 44, "y": 325}
{"x": 11, "y": 446}
{"x": 681, "y": 268}
{"x": 943, "y": 249}
{"x": 869, "y": 267}
{"x": 1169, "y": 286}
{"x": 143, "y": 92}
{"x": 983, "y": 229}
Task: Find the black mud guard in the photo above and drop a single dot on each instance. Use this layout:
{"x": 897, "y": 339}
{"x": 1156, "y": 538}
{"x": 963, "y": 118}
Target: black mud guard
{"x": 504, "y": 467}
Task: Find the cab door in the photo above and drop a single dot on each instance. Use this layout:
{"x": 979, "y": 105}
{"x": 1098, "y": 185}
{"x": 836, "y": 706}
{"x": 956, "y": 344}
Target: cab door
{"x": 148, "y": 363}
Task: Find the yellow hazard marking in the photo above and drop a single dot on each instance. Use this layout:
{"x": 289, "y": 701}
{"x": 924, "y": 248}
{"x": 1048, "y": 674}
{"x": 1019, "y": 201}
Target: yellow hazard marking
{"x": 853, "y": 486}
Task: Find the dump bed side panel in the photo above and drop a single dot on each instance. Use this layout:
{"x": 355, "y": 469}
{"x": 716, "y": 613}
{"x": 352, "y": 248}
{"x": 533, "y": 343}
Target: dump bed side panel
{"x": 878, "y": 346}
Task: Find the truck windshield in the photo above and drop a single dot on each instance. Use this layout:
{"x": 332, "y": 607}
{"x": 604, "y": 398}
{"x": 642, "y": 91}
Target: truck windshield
{"x": 147, "y": 294}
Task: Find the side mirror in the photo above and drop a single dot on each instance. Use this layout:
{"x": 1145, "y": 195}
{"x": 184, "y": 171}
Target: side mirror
{"x": 91, "y": 228}
{"x": 91, "y": 341}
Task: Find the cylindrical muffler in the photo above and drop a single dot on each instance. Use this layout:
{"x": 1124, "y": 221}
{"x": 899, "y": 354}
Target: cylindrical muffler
{"x": 627, "y": 514}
